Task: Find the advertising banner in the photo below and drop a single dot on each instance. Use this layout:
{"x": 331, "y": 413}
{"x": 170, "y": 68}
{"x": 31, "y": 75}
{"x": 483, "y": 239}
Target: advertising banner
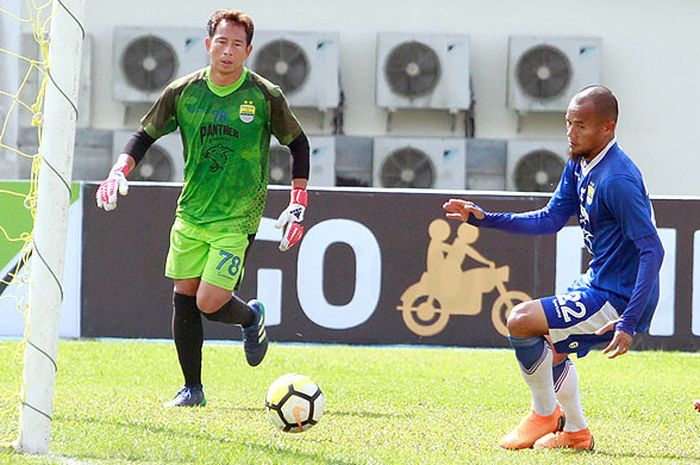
{"x": 16, "y": 224}
{"x": 374, "y": 267}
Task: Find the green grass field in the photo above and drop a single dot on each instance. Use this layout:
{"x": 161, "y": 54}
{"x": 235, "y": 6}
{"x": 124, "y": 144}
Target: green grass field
{"x": 386, "y": 405}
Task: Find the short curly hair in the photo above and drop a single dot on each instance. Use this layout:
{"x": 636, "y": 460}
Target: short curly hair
{"x": 234, "y": 16}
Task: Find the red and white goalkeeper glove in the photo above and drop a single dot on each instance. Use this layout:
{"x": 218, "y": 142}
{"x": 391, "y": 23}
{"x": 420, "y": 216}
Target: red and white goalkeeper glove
{"x": 106, "y": 195}
{"x": 291, "y": 219}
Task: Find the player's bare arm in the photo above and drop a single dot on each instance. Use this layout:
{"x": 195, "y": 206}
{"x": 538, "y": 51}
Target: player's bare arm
{"x": 458, "y": 209}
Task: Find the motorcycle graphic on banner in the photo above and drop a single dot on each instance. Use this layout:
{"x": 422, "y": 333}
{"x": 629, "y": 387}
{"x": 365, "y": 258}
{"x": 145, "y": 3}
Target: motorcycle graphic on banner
{"x": 446, "y": 289}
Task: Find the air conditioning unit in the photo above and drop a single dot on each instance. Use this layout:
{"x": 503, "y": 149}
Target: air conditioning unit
{"x": 419, "y": 162}
{"x": 164, "y": 161}
{"x": 535, "y": 165}
{"x": 545, "y": 72}
{"x": 280, "y": 164}
{"x": 428, "y": 71}
{"x": 303, "y": 64}
{"x": 321, "y": 162}
{"x": 486, "y": 164}
{"x": 31, "y": 49}
{"x": 145, "y": 60}
{"x": 353, "y": 161}
{"x": 322, "y": 169}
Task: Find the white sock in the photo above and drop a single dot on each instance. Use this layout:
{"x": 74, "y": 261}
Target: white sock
{"x": 539, "y": 380}
{"x": 566, "y": 387}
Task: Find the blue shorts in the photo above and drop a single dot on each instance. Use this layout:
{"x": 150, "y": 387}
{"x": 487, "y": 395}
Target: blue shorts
{"x": 574, "y": 317}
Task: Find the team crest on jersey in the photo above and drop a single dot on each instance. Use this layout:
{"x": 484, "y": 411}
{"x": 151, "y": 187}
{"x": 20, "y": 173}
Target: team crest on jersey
{"x": 590, "y": 192}
{"x": 247, "y": 112}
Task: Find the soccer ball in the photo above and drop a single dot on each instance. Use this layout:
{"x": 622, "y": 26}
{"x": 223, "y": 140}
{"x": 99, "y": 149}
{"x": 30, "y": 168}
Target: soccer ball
{"x": 294, "y": 403}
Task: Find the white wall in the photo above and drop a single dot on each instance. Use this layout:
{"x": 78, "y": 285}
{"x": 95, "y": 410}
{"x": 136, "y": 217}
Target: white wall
{"x": 649, "y": 59}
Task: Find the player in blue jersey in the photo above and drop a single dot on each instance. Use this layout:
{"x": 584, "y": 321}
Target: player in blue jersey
{"x": 612, "y": 301}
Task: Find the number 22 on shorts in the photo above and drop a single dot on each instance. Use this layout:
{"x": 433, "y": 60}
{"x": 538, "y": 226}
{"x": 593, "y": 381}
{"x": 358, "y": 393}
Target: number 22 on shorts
{"x": 568, "y": 312}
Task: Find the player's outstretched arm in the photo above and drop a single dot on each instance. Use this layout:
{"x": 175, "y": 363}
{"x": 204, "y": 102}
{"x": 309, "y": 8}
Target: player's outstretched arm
{"x": 115, "y": 183}
{"x": 292, "y": 216}
{"x": 458, "y": 209}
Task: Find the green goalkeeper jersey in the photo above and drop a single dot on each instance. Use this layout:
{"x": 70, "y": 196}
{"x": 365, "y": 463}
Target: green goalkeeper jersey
{"x": 226, "y": 139}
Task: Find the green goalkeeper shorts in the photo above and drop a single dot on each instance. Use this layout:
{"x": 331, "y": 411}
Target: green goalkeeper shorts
{"x": 217, "y": 258}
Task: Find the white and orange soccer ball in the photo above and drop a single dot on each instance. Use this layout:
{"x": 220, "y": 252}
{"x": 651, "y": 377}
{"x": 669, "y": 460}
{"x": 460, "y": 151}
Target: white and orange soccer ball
{"x": 294, "y": 403}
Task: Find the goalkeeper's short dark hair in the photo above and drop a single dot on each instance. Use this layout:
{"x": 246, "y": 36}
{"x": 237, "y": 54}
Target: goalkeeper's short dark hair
{"x": 234, "y": 16}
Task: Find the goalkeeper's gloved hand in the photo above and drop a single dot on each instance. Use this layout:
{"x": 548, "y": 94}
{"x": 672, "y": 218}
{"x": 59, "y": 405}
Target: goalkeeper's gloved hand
{"x": 291, "y": 219}
{"x": 106, "y": 195}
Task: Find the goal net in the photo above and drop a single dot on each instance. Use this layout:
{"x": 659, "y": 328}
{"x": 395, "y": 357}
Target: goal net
{"x": 22, "y": 91}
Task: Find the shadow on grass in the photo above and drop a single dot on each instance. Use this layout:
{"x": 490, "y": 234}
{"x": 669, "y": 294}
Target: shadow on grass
{"x": 360, "y": 414}
{"x": 330, "y": 413}
{"x": 289, "y": 456}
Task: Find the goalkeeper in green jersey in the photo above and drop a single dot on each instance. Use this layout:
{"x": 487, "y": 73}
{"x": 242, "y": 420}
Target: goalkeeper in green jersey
{"x": 226, "y": 115}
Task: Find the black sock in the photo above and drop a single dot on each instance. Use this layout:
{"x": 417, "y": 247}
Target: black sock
{"x": 189, "y": 337}
{"x": 233, "y": 312}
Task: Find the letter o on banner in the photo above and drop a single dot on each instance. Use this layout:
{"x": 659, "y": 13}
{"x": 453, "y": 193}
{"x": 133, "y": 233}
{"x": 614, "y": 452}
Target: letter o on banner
{"x": 310, "y": 274}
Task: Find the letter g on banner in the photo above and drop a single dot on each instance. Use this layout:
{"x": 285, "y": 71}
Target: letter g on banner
{"x": 368, "y": 272}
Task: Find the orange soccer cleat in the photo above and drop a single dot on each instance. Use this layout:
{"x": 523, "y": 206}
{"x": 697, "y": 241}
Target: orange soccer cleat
{"x": 532, "y": 428}
{"x": 567, "y": 440}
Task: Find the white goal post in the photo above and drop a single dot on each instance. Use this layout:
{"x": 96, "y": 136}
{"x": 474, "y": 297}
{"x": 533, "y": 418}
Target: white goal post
{"x": 49, "y": 236}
